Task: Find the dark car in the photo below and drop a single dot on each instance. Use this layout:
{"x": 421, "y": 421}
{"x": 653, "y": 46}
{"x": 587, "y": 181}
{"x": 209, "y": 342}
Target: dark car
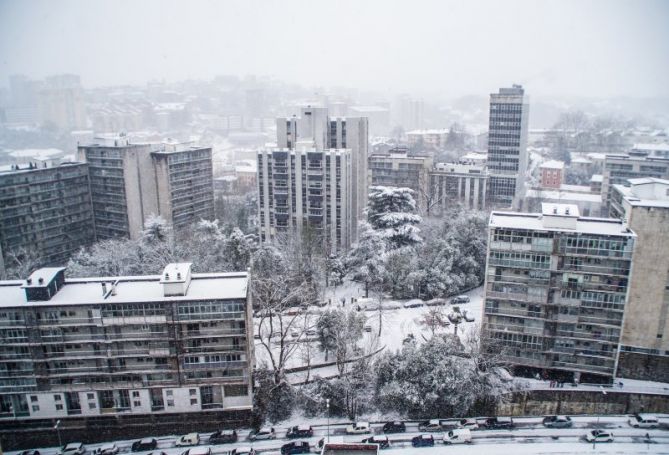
{"x": 295, "y": 447}
{"x": 424, "y": 440}
{"x": 223, "y": 437}
{"x": 29, "y": 452}
{"x": 394, "y": 427}
{"x": 382, "y": 441}
{"x": 499, "y": 423}
{"x": 557, "y": 422}
{"x": 300, "y": 431}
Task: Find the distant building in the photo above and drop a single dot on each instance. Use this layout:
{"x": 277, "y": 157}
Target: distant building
{"x": 306, "y": 188}
{"x": 507, "y": 146}
{"x": 398, "y": 169}
{"x": 454, "y": 184}
{"x": 431, "y": 139}
{"x": 588, "y": 203}
{"x": 45, "y": 210}
{"x": 474, "y": 158}
{"x": 552, "y": 174}
{"x": 325, "y": 133}
{"x": 556, "y": 289}
{"x": 62, "y": 102}
{"x": 176, "y": 343}
{"x": 619, "y": 168}
{"x": 130, "y": 182}
{"x": 644, "y": 207}
{"x": 596, "y": 183}
{"x": 654, "y": 150}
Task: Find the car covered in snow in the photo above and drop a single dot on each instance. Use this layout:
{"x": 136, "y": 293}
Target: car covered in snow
{"x": 430, "y": 425}
{"x": 423, "y": 440}
{"x": 449, "y": 424}
{"x": 190, "y": 439}
{"x": 243, "y": 451}
{"x": 295, "y": 447}
{"x": 144, "y": 444}
{"x": 468, "y": 317}
{"x": 358, "y": 428}
{"x": 644, "y": 421}
{"x": 107, "y": 449}
{"x": 555, "y": 421}
{"x": 499, "y": 423}
{"x": 394, "y": 427}
{"x": 223, "y": 437}
{"x": 300, "y": 431}
{"x": 599, "y": 436}
{"x": 198, "y": 451}
{"x": 73, "y": 448}
{"x": 458, "y": 436}
{"x": 460, "y": 299}
{"x": 263, "y": 434}
{"x": 414, "y": 303}
{"x": 382, "y": 441}
{"x": 470, "y": 424}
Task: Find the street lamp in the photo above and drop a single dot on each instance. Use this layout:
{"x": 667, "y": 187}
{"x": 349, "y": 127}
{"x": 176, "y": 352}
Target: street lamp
{"x": 57, "y": 428}
{"x": 327, "y": 405}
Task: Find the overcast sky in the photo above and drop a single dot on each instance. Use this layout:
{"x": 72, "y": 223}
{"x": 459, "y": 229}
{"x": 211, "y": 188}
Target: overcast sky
{"x": 583, "y": 48}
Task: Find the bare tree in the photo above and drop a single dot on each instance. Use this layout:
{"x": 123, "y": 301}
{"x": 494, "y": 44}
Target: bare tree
{"x": 20, "y": 263}
{"x": 435, "y": 319}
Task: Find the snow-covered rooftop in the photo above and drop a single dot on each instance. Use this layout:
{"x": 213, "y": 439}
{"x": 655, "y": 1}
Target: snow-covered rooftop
{"x": 130, "y": 289}
{"x": 552, "y": 164}
{"x": 535, "y": 221}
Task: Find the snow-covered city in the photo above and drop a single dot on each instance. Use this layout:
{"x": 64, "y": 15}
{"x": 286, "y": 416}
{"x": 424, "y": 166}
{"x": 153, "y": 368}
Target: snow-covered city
{"x": 233, "y": 227}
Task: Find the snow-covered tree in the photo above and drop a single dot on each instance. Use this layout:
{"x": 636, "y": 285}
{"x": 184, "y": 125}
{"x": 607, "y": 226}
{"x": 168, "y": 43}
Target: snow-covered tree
{"x": 113, "y": 257}
{"x": 238, "y": 250}
{"x": 392, "y": 212}
{"x": 20, "y": 263}
{"x": 339, "y": 331}
{"x": 366, "y": 259}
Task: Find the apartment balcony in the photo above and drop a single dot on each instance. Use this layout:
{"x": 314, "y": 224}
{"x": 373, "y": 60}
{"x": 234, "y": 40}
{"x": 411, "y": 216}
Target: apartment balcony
{"x": 520, "y": 297}
{"x": 215, "y": 365}
{"x": 584, "y": 368}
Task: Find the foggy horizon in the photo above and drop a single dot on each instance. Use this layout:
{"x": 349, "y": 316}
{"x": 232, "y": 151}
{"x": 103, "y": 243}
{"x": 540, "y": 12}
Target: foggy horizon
{"x": 569, "y": 49}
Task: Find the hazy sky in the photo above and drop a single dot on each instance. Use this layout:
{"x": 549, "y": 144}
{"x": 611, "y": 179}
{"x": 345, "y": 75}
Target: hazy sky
{"x": 599, "y": 48}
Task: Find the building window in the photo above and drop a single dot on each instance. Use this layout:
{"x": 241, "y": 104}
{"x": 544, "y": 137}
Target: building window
{"x": 135, "y": 394}
{"x": 33, "y": 398}
{"x": 193, "y": 401}
{"x": 59, "y": 407}
{"x": 136, "y": 403}
{"x": 91, "y": 396}
{"x": 35, "y": 408}
{"x": 57, "y": 397}
{"x": 236, "y": 390}
{"x": 91, "y": 405}
{"x": 192, "y": 392}
{"x": 169, "y": 393}
{"x": 170, "y": 403}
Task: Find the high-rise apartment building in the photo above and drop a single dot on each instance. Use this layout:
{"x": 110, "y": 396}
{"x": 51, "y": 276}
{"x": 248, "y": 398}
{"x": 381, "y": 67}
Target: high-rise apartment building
{"x": 398, "y": 169}
{"x": 556, "y": 289}
{"x": 644, "y": 207}
{"x": 507, "y": 146}
{"x": 62, "y": 102}
{"x": 453, "y": 184}
{"x": 73, "y": 348}
{"x": 637, "y": 163}
{"x": 306, "y": 188}
{"x": 326, "y": 132}
{"x": 130, "y": 182}
{"x": 45, "y": 211}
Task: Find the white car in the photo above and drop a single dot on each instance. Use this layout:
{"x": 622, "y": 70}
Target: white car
{"x": 107, "y": 449}
{"x": 190, "y": 439}
{"x": 73, "y": 448}
{"x": 262, "y": 434}
{"x": 644, "y": 421}
{"x": 358, "y": 428}
{"x": 599, "y": 436}
{"x": 198, "y": 451}
{"x": 459, "y": 436}
{"x": 243, "y": 451}
{"x": 469, "y": 424}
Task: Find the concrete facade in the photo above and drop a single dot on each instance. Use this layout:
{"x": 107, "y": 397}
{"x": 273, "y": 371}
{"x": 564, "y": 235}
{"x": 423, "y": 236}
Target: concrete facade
{"x": 397, "y": 169}
{"x": 178, "y": 342}
{"x": 452, "y": 184}
{"x": 644, "y": 206}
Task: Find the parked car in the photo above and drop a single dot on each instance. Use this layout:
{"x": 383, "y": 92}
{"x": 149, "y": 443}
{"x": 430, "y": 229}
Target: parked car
{"x": 382, "y": 441}
{"x": 223, "y": 437}
{"x": 198, "y": 451}
{"x": 394, "y": 427}
{"x": 358, "y": 428}
{"x": 243, "y": 451}
{"x": 144, "y": 444}
{"x": 557, "y": 422}
{"x": 499, "y": 423}
{"x": 424, "y": 440}
{"x": 469, "y": 424}
{"x": 295, "y": 447}
{"x": 311, "y": 332}
{"x": 599, "y": 436}
{"x": 300, "y": 431}
{"x": 73, "y": 448}
{"x": 449, "y": 424}
{"x": 468, "y": 317}
{"x": 644, "y": 421}
{"x": 368, "y": 328}
{"x": 107, "y": 449}
{"x": 262, "y": 434}
{"x": 458, "y": 436}
{"x": 414, "y": 303}
{"x": 436, "y": 302}
{"x": 29, "y": 452}
{"x": 460, "y": 299}
{"x": 190, "y": 439}
{"x": 430, "y": 425}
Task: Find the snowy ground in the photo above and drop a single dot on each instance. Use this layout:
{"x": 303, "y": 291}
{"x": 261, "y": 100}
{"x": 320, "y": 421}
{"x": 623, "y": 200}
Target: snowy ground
{"x": 530, "y": 437}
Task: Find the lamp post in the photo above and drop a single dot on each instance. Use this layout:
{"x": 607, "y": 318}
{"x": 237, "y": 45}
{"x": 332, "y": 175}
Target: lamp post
{"x": 327, "y": 406}
{"x": 57, "y": 428}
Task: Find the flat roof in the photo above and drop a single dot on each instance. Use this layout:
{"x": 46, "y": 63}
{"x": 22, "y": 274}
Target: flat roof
{"x": 130, "y": 289}
{"x": 552, "y": 164}
{"x": 584, "y": 225}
